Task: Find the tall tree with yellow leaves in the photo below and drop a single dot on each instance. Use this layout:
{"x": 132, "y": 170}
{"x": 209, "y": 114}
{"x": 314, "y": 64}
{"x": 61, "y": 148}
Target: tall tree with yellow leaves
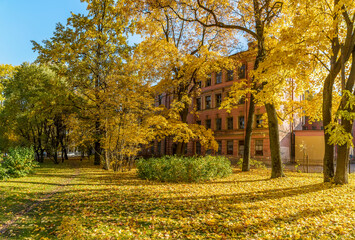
{"x": 178, "y": 55}
{"x": 253, "y": 19}
{"x": 92, "y": 46}
{"x": 316, "y": 49}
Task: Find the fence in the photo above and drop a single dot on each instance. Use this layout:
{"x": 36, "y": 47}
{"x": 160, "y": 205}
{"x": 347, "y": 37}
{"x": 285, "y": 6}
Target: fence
{"x": 312, "y": 165}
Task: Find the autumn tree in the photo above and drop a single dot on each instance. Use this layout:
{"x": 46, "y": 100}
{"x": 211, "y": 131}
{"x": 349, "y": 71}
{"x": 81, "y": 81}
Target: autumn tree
{"x": 253, "y": 19}
{"x": 92, "y": 46}
{"x": 183, "y": 55}
{"x": 35, "y": 106}
{"x": 316, "y": 50}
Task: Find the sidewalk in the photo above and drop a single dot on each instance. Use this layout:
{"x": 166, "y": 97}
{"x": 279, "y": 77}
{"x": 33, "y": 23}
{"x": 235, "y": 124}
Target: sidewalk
{"x": 312, "y": 168}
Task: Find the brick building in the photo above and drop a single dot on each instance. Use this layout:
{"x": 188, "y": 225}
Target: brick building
{"x": 229, "y": 128}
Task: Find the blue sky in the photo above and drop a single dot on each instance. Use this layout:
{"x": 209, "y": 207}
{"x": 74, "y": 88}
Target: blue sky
{"x": 24, "y": 20}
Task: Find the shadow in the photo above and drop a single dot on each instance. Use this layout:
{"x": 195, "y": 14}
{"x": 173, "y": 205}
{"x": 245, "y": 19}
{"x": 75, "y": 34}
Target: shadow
{"x": 197, "y": 204}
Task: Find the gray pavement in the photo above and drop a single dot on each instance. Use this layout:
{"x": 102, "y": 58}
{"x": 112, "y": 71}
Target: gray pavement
{"x": 312, "y": 168}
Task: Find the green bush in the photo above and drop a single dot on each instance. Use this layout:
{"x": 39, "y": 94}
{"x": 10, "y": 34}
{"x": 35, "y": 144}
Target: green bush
{"x": 253, "y": 163}
{"x": 19, "y": 162}
{"x": 184, "y": 169}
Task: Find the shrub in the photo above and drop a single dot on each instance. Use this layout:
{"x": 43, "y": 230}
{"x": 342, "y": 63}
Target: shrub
{"x": 253, "y": 163}
{"x": 184, "y": 169}
{"x": 3, "y": 173}
{"x": 19, "y": 162}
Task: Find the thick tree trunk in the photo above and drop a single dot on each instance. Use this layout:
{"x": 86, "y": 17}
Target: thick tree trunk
{"x": 342, "y": 171}
{"x": 328, "y": 159}
{"x": 248, "y": 132}
{"x": 276, "y": 163}
{"x": 341, "y": 174}
{"x": 66, "y": 154}
{"x": 55, "y": 157}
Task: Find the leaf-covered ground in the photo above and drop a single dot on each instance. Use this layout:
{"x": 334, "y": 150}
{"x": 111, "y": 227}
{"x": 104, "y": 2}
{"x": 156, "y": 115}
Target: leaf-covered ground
{"x": 86, "y": 202}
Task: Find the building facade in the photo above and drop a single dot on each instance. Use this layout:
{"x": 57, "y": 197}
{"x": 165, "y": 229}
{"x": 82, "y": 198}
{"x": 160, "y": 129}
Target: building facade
{"x": 228, "y": 127}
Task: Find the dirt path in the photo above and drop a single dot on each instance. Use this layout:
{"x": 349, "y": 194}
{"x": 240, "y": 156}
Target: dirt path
{"x": 4, "y": 227}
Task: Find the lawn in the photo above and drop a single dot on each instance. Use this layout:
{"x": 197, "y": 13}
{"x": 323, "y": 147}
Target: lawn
{"x": 79, "y": 201}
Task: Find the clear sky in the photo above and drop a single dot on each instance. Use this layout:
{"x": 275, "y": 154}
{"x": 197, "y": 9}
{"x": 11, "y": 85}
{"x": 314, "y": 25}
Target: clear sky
{"x": 24, "y": 20}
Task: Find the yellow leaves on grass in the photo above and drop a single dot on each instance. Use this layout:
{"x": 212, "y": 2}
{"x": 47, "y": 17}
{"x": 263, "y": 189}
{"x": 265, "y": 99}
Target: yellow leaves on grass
{"x": 246, "y": 205}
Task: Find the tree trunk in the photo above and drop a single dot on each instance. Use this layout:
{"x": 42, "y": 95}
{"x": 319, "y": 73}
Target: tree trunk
{"x": 37, "y": 156}
{"x": 341, "y": 174}
{"x": 342, "y": 171}
{"x": 42, "y": 156}
{"x": 62, "y": 155}
{"x": 248, "y": 132}
{"x": 107, "y": 160}
{"x": 180, "y": 148}
{"x": 328, "y": 159}
{"x": 66, "y": 154}
{"x": 181, "y": 145}
{"x": 276, "y": 163}
{"x": 56, "y": 157}
{"x": 97, "y": 144}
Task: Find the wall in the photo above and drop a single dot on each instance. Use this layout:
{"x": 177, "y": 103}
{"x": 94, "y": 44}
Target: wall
{"x": 313, "y": 142}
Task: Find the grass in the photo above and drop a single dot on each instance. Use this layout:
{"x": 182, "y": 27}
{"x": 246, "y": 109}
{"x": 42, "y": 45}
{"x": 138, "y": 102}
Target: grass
{"x": 96, "y": 204}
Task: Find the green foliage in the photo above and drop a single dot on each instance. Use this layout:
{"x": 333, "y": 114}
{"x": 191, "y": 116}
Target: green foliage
{"x": 3, "y": 173}
{"x": 184, "y": 169}
{"x": 19, "y": 162}
{"x": 253, "y": 163}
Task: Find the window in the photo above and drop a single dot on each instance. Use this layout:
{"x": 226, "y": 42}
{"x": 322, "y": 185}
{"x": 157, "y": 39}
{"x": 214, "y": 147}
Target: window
{"x": 208, "y": 123}
{"x": 230, "y": 123}
{"x": 208, "y": 81}
{"x": 219, "y": 77}
{"x": 321, "y": 128}
{"x": 241, "y": 148}
{"x": 160, "y": 99}
{"x": 198, "y": 122}
{"x": 229, "y": 147}
{"x": 258, "y": 147}
{"x": 152, "y": 149}
{"x": 314, "y": 128}
{"x": 199, "y": 84}
{"x": 159, "y": 148}
{"x": 219, "y": 152}
{"x": 241, "y": 122}
{"x": 208, "y": 102}
{"x": 242, "y": 100}
{"x": 198, "y": 148}
{"x": 304, "y": 128}
{"x": 241, "y": 74}
{"x": 258, "y": 121}
{"x": 198, "y": 104}
{"x": 230, "y": 75}
{"x": 218, "y": 124}
{"x": 218, "y": 100}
